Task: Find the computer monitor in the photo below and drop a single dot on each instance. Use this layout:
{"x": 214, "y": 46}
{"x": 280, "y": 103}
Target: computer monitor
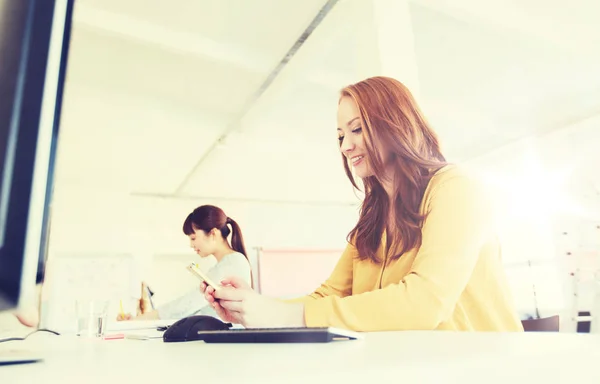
{"x": 34, "y": 40}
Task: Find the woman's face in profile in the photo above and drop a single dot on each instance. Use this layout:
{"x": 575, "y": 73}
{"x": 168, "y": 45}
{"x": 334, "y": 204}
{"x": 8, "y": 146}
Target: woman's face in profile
{"x": 350, "y": 135}
{"x": 202, "y": 243}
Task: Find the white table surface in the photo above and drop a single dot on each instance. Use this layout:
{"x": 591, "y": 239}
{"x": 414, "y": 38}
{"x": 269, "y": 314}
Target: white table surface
{"x": 400, "y": 357}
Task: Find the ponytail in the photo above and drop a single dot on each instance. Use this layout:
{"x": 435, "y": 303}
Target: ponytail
{"x": 237, "y": 243}
{"x": 237, "y": 240}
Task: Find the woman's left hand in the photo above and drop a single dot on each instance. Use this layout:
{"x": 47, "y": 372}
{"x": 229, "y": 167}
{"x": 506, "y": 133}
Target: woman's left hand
{"x": 238, "y": 303}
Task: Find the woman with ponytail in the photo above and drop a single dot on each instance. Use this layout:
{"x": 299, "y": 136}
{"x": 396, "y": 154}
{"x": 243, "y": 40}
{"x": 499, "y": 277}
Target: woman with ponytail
{"x": 208, "y": 229}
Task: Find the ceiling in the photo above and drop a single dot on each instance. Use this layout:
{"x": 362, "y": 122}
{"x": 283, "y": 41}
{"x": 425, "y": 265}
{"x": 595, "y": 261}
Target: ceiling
{"x": 175, "y": 99}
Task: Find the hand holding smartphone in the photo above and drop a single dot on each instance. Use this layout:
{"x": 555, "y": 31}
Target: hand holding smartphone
{"x": 193, "y": 268}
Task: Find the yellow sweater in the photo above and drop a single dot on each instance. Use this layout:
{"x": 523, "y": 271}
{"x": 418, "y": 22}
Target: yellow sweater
{"x": 454, "y": 281}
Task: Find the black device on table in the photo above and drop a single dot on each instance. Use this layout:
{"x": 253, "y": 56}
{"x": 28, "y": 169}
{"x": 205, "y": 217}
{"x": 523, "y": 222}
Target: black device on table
{"x": 213, "y": 330}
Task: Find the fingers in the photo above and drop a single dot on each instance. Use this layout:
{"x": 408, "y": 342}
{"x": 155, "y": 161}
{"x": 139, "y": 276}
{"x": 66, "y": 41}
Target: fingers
{"x": 221, "y": 312}
{"x": 227, "y": 315}
{"x": 236, "y": 282}
{"x": 210, "y": 298}
{"x": 230, "y": 294}
{"x": 235, "y": 306}
{"x": 208, "y": 294}
{"x": 233, "y": 282}
{"x": 228, "y": 300}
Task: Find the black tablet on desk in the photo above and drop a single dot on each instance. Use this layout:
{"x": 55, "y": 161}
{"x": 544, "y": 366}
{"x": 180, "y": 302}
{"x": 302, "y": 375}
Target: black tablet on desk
{"x": 277, "y": 335}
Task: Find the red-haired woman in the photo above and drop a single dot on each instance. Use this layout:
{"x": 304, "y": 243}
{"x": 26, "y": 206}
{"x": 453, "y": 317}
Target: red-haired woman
{"x": 423, "y": 255}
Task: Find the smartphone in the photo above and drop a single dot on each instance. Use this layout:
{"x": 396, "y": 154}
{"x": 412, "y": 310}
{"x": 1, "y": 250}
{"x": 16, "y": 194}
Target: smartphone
{"x": 193, "y": 268}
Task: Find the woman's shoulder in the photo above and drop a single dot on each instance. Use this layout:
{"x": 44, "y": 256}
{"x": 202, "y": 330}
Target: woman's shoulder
{"x": 235, "y": 256}
{"x": 233, "y": 264}
{"x": 453, "y": 178}
{"x": 454, "y": 173}
{"x": 233, "y": 259}
{"x": 449, "y": 172}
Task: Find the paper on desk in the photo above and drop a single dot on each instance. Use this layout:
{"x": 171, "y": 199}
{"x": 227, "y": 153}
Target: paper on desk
{"x": 131, "y": 325}
{"x": 144, "y": 336}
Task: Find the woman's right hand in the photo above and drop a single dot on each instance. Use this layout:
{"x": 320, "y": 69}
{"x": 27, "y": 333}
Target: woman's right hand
{"x": 223, "y": 313}
{"x": 236, "y": 302}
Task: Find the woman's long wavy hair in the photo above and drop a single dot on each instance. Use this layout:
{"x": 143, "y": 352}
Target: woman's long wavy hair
{"x": 394, "y": 129}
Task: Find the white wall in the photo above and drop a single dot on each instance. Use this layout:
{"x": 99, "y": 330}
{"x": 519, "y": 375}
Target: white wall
{"x": 544, "y": 184}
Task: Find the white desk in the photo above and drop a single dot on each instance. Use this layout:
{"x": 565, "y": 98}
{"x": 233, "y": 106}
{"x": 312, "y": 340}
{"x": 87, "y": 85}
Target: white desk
{"x": 401, "y": 357}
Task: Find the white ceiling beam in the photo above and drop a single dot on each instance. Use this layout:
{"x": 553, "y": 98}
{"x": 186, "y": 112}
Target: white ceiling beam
{"x": 385, "y": 41}
{"x": 377, "y": 53}
{"x": 516, "y": 17}
{"x": 295, "y": 58}
{"x": 339, "y": 22}
{"x": 250, "y": 200}
{"x": 185, "y": 43}
{"x": 330, "y": 80}
{"x": 169, "y": 39}
{"x": 179, "y": 42}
